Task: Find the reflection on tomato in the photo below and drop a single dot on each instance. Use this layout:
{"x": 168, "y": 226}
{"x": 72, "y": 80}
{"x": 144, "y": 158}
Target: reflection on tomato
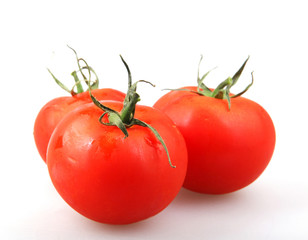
{"x": 112, "y": 179}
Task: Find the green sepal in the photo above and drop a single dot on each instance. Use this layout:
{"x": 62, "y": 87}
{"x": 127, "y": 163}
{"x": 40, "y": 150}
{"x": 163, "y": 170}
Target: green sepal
{"x": 128, "y": 72}
{"x": 131, "y": 98}
{"x": 114, "y": 117}
{"x": 78, "y": 84}
{"x": 159, "y": 138}
{"x": 237, "y": 75}
{"x": 95, "y": 83}
{"x": 246, "y": 89}
{"x": 202, "y": 88}
{"x": 114, "y": 120}
{"x": 59, "y": 83}
{"x": 222, "y": 91}
{"x": 125, "y": 118}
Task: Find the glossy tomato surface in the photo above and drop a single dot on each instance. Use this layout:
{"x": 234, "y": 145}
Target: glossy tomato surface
{"x": 51, "y": 114}
{"x": 114, "y": 180}
{"x": 227, "y": 149}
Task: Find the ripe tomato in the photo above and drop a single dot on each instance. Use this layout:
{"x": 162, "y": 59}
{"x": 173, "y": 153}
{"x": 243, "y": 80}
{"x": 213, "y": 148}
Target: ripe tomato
{"x": 228, "y": 148}
{"x": 51, "y": 114}
{"x": 112, "y": 179}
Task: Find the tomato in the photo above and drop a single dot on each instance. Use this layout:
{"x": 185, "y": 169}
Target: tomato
{"x": 228, "y": 147}
{"x": 51, "y": 114}
{"x": 112, "y": 179}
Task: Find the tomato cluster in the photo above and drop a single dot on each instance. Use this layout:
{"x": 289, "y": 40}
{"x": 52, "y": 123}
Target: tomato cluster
{"x": 118, "y": 162}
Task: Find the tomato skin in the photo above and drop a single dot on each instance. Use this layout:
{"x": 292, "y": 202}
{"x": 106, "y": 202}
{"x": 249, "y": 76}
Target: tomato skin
{"x": 227, "y": 149}
{"x": 114, "y": 180}
{"x": 52, "y": 112}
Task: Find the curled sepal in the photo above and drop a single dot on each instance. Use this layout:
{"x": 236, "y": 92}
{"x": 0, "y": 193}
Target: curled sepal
{"x": 225, "y": 93}
{"x": 114, "y": 118}
{"x": 95, "y": 83}
{"x": 202, "y": 88}
{"x": 143, "y": 124}
{"x": 92, "y": 85}
{"x": 59, "y": 83}
{"x": 245, "y": 90}
{"x": 78, "y": 84}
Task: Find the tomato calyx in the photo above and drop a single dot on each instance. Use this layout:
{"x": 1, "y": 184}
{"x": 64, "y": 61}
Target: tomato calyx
{"x": 125, "y": 118}
{"x": 222, "y": 91}
{"x": 78, "y": 83}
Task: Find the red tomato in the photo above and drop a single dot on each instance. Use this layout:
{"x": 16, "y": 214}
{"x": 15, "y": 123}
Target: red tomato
{"x": 227, "y": 148}
{"x": 51, "y": 114}
{"x": 112, "y": 179}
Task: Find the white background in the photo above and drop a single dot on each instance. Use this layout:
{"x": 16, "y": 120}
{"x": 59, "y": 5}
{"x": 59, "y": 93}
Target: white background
{"x": 162, "y": 42}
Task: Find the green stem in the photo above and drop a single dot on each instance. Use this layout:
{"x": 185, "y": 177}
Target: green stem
{"x": 128, "y": 111}
{"x": 125, "y": 118}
